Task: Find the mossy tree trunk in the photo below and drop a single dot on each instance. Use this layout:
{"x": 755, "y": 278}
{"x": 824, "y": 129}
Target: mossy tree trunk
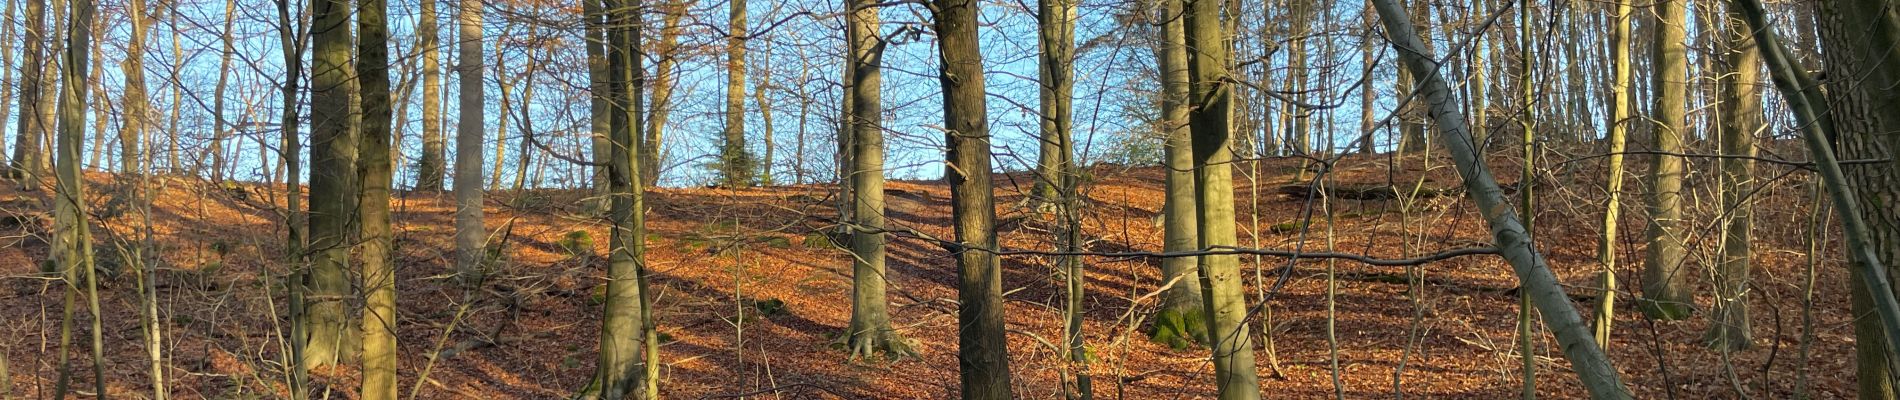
{"x": 1860, "y": 36}
{"x": 1181, "y": 321}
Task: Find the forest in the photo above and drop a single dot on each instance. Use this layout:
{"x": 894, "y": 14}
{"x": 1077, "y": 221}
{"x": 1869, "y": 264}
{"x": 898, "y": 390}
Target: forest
{"x": 921, "y": 199}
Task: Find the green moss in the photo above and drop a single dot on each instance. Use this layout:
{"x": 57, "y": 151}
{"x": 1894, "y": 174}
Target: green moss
{"x": 1288, "y": 227}
{"x": 777, "y": 242}
{"x": 816, "y": 240}
{"x": 577, "y": 243}
{"x": 1178, "y": 330}
{"x": 597, "y": 296}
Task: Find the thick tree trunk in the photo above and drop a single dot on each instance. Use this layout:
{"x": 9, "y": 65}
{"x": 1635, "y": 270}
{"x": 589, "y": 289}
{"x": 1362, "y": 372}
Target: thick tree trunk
{"x": 374, "y": 173}
{"x": 470, "y": 237}
{"x": 759, "y": 94}
{"x": 870, "y": 330}
{"x": 1055, "y": 33}
{"x": 429, "y": 170}
{"x": 628, "y": 323}
{"x": 332, "y": 169}
{"x": 1512, "y": 241}
{"x": 1055, "y": 20}
{"x": 137, "y": 108}
{"x": 72, "y": 237}
{"x": 1210, "y": 122}
{"x": 982, "y": 352}
{"x": 1666, "y": 290}
{"x": 6, "y": 102}
{"x": 1181, "y": 321}
{"x": 1860, "y": 36}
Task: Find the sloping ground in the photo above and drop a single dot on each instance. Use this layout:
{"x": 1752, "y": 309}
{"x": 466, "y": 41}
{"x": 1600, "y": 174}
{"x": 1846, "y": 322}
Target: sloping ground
{"x": 751, "y": 295}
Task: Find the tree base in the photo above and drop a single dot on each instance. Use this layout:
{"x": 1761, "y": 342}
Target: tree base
{"x": 1179, "y": 329}
{"x": 869, "y": 343}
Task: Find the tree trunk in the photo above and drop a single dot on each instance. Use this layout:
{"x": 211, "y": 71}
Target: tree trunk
{"x": 292, "y": 49}
{"x": 735, "y": 163}
{"x": 429, "y": 171}
{"x": 1055, "y": 33}
{"x": 628, "y": 320}
{"x": 219, "y": 124}
{"x": 28, "y": 161}
{"x": 1209, "y": 121}
{"x": 982, "y": 352}
{"x": 1859, "y": 36}
{"x": 765, "y": 115}
{"x": 72, "y": 237}
{"x": 1741, "y": 117}
{"x": 374, "y": 172}
{"x": 470, "y": 237}
{"x": 332, "y": 169}
{"x": 1181, "y": 321}
{"x": 663, "y": 83}
{"x": 1534, "y": 274}
{"x": 1617, "y": 124}
{"x": 870, "y": 330}
{"x": 6, "y": 110}
{"x": 1055, "y": 20}
{"x": 1666, "y": 290}
{"x": 137, "y": 108}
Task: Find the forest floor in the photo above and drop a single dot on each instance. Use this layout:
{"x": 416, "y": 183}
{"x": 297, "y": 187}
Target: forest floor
{"x": 751, "y": 296}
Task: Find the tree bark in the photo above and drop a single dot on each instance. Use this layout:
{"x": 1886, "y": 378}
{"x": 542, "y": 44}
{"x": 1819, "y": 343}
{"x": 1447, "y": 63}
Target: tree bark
{"x": 735, "y": 162}
{"x": 332, "y": 170}
{"x": 1859, "y": 36}
{"x": 72, "y": 237}
{"x": 664, "y": 79}
{"x": 982, "y": 352}
{"x": 1666, "y": 290}
{"x": 870, "y": 330}
{"x": 1512, "y": 241}
{"x": 1181, "y": 316}
{"x": 28, "y": 161}
{"x": 429, "y": 170}
{"x": 136, "y": 108}
{"x": 470, "y": 236}
{"x": 1620, "y": 92}
{"x": 374, "y": 172}
{"x": 1210, "y": 122}
{"x": 219, "y": 124}
{"x": 628, "y": 321}
{"x": 1741, "y": 117}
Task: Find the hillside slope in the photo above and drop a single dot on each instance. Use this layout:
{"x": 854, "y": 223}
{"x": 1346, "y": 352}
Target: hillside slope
{"x": 751, "y": 295}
